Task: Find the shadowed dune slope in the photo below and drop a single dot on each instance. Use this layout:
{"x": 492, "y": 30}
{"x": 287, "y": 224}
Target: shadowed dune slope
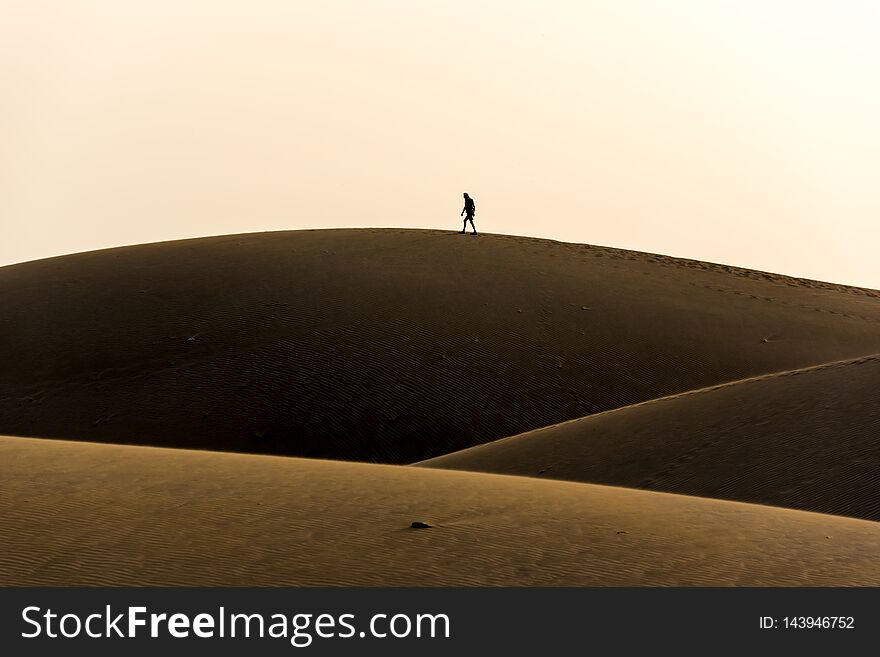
{"x": 95, "y": 514}
{"x": 387, "y": 345}
{"x": 806, "y": 439}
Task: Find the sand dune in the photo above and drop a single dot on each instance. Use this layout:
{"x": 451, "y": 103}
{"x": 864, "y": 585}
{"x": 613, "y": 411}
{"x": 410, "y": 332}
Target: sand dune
{"x": 95, "y": 514}
{"x": 387, "y": 345}
{"x": 806, "y": 439}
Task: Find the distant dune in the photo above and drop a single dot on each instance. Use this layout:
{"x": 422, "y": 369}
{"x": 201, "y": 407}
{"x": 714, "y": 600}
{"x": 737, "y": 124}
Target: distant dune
{"x": 86, "y": 514}
{"x": 398, "y": 345}
{"x": 806, "y": 439}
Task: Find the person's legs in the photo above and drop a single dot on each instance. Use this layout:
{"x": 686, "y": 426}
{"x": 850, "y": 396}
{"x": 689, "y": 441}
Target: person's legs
{"x": 463, "y": 226}
{"x": 471, "y": 219}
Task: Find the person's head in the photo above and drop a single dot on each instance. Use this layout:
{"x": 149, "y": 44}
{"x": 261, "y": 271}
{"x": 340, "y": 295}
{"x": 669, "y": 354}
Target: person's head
{"x": 466, "y": 195}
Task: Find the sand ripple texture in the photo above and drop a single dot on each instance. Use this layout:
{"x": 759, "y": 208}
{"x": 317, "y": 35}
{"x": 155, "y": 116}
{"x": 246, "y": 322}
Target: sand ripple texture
{"x": 75, "y": 513}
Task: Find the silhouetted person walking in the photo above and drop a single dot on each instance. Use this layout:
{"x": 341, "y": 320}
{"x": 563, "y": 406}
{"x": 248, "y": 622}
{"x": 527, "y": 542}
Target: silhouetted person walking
{"x": 471, "y": 210}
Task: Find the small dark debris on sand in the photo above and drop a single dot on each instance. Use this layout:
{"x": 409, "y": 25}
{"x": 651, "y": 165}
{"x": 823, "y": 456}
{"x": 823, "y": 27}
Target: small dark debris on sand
{"x": 417, "y": 524}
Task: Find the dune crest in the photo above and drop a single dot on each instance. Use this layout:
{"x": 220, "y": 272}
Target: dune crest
{"x": 387, "y": 345}
{"x": 804, "y": 439}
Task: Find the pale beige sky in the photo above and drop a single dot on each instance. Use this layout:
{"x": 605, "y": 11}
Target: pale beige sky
{"x": 740, "y": 131}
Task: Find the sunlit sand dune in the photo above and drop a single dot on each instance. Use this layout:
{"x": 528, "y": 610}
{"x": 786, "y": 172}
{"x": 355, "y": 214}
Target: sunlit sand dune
{"x": 76, "y": 513}
{"x": 807, "y": 439}
{"x": 387, "y": 345}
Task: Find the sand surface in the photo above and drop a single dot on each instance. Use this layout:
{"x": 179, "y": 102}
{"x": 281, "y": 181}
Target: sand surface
{"x": 807, "y": 439}
{"x": 96, "y": 514}
{"x": 387, "y": 345}
{"x": 594, "y": 372}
